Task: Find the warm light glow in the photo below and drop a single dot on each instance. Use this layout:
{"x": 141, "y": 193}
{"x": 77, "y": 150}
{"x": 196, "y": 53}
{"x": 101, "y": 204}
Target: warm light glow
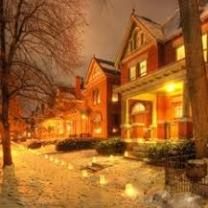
{"x": 85, "y": 174}
{"x": 94, "y": 160}
{"x": 29, "y": 134}
{"x": 51, "y": 159}
{"x": 115, "y": 98}
{"x": 170, "y": 87}
{"x": 84, "y": 116}
{"x": 180, "y": 53}
{"x": 126, "y": 154}
{"x": 63, "y": 163}
{"x": 61, "y": 131}
{"x": 112, "y": 159}
{"x": 115, "y": 130}
{"x": 140, "y": 141}
{"x": 103, "y": 180}
{"x": 46, "y": 156}
{"x": 56, "y": 161}
{"x": 98, "y": 130}
{"x": 130, "y": 191}
{"x": 70, "y": 167}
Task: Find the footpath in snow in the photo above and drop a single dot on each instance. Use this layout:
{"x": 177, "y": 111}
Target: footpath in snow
{"x": 46, "y": 179}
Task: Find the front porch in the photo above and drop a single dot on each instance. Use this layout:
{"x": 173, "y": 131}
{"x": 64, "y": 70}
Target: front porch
{"x": 157, "y": 106}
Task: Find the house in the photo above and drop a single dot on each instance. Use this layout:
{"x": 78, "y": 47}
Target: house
{"x": 104, "y": 105}
{"x": 153, "y": 90}
{"x": 90, "y": 109}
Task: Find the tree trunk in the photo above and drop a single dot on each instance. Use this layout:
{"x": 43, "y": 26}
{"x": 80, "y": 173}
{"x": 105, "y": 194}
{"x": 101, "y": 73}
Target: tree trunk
{"x": 196, "y": 72}
{"x": 7, "y": 157}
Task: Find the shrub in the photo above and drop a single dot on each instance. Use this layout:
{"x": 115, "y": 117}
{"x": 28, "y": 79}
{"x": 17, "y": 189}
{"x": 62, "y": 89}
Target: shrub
{"x": 183, "y": 149}
{"x": 34, "y": 144}
{"x": 76, "y": 144}
{"x": 111, "y": 146}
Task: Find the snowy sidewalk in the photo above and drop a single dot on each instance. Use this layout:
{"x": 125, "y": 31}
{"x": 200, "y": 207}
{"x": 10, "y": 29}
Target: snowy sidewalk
{"x": 37, "y": 182}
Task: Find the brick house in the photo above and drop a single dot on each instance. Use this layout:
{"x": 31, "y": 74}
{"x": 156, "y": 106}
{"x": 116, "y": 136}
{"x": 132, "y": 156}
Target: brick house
{"x": 90, "y": 109}
{"x": 154, "y": 101}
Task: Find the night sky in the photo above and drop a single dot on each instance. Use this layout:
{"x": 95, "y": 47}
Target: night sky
{"x": 107, "y": 25}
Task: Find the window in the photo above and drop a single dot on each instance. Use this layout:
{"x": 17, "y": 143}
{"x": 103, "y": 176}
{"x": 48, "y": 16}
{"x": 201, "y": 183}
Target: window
{"x": 204, "y": 44}
{"x": 114, "y": 95}
{"x": 138, "y": 108}
{"x": 180, "y": 53}
{"x": 143, "y": 68}
{"x": 132, "y": 73}
{"x": 178, "y": 110}
{"x": 96, "y": 97}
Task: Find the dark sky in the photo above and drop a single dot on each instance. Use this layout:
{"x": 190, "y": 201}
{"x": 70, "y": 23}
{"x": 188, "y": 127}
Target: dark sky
{"x": 107, "y": 24}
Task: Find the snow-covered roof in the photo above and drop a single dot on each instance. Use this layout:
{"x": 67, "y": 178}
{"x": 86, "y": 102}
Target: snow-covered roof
{"x": 107, "y": 66}
{"x": 172, "y": 26}
{"x": 153, "y": 27}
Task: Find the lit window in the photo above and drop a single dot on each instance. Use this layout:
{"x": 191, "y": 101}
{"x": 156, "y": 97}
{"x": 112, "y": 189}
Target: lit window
{"x": 138, "y": 108}
{"x": 178, "y": 111}
{"x": 143, "y": 68}
{"x": 132, "y": 73}
{"x": 180, "y": 53}
{"x": 204, "y": 44}
{"x": 96, "y": 97}
{"x": 114, "y": 95}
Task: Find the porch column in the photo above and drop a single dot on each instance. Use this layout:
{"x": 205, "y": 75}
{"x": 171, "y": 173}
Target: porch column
{"x": 185, "y": 124}
{"x": 125, "y": 131}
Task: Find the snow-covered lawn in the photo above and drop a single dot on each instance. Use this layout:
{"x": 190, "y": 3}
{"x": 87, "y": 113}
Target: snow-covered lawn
{"x": 47, "y": 179}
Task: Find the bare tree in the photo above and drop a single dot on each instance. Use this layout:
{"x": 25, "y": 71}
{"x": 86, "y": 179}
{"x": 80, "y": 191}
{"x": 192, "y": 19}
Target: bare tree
{"x": 196, "y": 71}
{"x": 34, "y": 35}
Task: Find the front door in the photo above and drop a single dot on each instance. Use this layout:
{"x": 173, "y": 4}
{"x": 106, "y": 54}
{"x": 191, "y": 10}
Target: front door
{"x": 141, "y": 119}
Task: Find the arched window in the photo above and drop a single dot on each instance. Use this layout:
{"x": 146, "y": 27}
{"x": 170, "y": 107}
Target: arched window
{"x": 138, "y": 108}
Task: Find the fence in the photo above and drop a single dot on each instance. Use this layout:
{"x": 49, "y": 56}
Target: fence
{"x": 176, "y": 179}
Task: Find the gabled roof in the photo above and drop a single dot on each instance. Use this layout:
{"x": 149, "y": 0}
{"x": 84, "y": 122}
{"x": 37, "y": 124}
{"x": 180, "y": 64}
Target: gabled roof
{"x": 153, "y": 27}
{"x": 160, "y": 32}
{"x": 107, "y": 67}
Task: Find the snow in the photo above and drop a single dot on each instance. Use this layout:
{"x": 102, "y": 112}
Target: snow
{"x": 35, "y": 181}
{"x": 45, "y": 178}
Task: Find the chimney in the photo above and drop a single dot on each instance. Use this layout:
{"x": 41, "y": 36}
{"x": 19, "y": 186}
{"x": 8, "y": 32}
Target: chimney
{"x": 78, "y": 87}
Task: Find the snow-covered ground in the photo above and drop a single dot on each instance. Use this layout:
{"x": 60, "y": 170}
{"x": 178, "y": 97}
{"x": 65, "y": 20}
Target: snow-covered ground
{"x": 47, "y": 179}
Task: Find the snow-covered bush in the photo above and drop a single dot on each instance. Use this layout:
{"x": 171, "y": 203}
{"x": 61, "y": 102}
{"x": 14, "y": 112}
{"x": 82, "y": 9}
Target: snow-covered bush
{"x": 71, "y": 144}
{"x": 34, "y": 144}
{"x": 111, "y": 146}
{"x": 158, "y": 151}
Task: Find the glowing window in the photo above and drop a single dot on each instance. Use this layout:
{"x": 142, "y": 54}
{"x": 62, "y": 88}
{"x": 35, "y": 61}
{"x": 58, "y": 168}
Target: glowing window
{"x": 143, "y": 68}
{"x": 204, "y": 44}
{"x": 180, "y": 53}
{"x": 138, "y": 108}
{"x": 132, "y": 73}
{"x": 96, "y": 96}
{"x": 178, "y": 111}
{"x": 114, "y": 95}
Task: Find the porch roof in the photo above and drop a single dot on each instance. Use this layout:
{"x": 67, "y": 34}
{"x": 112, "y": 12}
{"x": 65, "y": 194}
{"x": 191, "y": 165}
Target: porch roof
{"x": 172, "y": 72}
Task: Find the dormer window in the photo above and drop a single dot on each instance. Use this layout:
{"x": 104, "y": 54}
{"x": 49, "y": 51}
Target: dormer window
{"x": 96, "y": 97}
{"x": 132, "y": 73}
{"x": 143, "y": 68}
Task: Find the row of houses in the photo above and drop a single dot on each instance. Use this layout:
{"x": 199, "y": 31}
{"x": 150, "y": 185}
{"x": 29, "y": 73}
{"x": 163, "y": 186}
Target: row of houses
{"x": 142, "y": 94}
